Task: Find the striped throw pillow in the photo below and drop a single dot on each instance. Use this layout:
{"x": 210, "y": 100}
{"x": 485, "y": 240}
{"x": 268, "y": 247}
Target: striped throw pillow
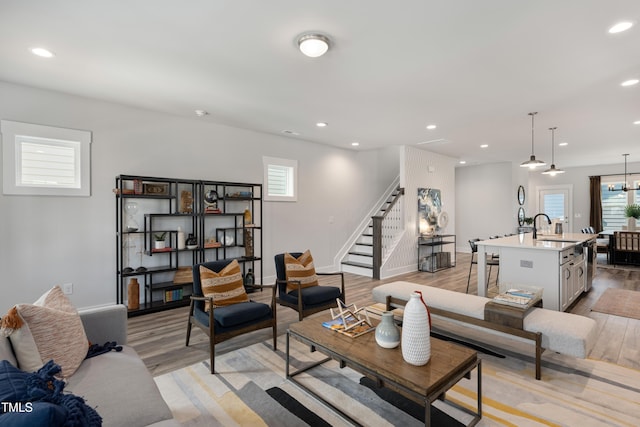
{"x": 300, "y": 269}
{"x": 225, "y": 287}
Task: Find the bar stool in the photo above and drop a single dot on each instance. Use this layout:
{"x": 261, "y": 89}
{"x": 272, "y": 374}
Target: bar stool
{"x": 474, "y": 260}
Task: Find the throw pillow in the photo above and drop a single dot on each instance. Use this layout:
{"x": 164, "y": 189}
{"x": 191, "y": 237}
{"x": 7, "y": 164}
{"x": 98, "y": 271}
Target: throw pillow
{"x": 226, "y": 287}
{"x": 300, "y": 269}
{"x": 49, "y": 329}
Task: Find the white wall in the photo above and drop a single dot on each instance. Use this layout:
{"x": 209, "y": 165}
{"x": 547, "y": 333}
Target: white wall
{"x": 52, "y": 240}
{"x": 486, "y": 201}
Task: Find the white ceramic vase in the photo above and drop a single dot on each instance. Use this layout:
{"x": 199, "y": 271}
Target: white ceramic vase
{"x": 416, "y": 330}
{"x": 387, "y": 333}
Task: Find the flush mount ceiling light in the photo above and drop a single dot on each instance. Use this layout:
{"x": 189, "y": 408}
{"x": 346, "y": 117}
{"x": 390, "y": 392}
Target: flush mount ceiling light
{"x": 431, "y": 127}
{"x": 624, "y": 187}
{"x": 532, "y": 163}
{"x": 42, "y": 52}
{"x": 322, "y": 124}
{"x": 637, "y": 122}
{"x": 630, "y": 82}
{"x": 620, "y": 27}
{"x": 484, "y": 145}
{"x": 313, "y": 45}
{"x": 355, "y": 143}
{"x": 552, "y": 170}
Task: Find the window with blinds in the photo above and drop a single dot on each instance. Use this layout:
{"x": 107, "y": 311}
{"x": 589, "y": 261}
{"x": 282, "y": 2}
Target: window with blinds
{"x": 280, "y": 176}
{"x": 45, "y": 160}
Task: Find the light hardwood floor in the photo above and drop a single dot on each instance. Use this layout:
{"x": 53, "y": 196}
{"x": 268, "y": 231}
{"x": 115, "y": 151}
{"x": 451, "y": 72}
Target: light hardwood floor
{"x": 159, "y": 338}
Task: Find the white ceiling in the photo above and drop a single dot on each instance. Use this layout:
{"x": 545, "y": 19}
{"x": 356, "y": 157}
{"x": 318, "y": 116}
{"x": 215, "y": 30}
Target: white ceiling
{"x": 474, "y": 68}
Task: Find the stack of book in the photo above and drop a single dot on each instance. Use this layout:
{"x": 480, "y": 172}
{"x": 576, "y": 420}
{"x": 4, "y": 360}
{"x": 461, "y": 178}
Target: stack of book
{"x": 518, "y": 297}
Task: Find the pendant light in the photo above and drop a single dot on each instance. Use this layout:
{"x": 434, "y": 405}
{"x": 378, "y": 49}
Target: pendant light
{"x": 532, "y": 163}
{"x": 552, "y": 170}
{"x": 624, "y": 186}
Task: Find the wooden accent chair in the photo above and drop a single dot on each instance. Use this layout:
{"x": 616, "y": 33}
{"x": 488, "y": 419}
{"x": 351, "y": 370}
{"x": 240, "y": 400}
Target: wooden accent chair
{"x": 626, "y": 247}
{"x": 305, "y": 300}
{"x": 224, "y": 322}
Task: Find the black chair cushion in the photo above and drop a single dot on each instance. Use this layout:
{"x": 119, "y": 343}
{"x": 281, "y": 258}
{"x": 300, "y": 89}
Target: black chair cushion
{"x": 314, "y": 295}
{"x": 234, "y": 315}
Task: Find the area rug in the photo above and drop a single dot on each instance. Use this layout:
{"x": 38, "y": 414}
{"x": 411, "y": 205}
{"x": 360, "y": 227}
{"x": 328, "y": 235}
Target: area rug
{"x": 619, "y": 302}
{"x": 250, "y": 389}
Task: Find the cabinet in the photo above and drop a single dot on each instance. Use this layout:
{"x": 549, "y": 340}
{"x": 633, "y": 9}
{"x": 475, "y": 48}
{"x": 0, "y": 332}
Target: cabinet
{"x": 433, "y": 253}
{"x": 222, "y": 218}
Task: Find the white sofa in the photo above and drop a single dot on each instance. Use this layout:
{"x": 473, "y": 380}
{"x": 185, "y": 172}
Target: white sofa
{"x": 116, "y": 384}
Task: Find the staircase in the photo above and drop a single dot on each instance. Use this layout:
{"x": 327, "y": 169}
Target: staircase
{"x": 359, "y": 258}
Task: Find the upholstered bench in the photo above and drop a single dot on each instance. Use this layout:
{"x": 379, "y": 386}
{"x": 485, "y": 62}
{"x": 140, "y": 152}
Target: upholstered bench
{"x": 564, "y": 333}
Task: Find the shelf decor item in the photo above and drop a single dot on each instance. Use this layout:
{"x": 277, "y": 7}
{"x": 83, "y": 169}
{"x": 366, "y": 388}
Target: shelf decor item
{"x": 182, "y": 241}
{"x": 387, "y": 333}
{"x": 133, "y": 294}
{"x": 416, "y": 331}
{"x": 159, "y": 240}
{"x": 192, "y": 242}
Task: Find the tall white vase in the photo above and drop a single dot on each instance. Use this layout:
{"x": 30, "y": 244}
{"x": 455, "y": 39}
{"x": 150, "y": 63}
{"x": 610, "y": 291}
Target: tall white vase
{"x": 416, "y": 330}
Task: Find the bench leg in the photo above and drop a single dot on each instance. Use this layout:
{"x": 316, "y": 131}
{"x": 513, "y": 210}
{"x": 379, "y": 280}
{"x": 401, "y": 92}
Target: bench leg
{"x": 539, "y": 351}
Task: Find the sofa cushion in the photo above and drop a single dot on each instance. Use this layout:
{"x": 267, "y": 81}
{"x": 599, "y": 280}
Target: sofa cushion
{"x": 226, "y": 287}
{"x": 49, "y": 329}
{"x": 119, "y": 387}
{"x": 301, "y": 270}
{"x": 237, "y": 314}
{"x": 566, "y": 333}
{"x": 6, "y": 352}
{"x": 316, "y": 295}
{"x": 454, "y": 302}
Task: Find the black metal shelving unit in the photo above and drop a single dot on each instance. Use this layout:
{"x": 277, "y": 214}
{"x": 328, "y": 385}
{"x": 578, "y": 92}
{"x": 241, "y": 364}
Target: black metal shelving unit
{"x": 162, "y": 210}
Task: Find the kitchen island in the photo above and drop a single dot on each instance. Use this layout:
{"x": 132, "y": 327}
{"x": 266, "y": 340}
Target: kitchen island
{"x": 556, "y": 263}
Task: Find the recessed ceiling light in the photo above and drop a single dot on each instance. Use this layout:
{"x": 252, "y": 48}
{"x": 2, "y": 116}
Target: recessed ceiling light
{"x": 620, "y": 27}
{"x": 563, "y": 144}
{"x": 201, "y": 113}
{"x": 42, "y": 52}
{"x": 462, "y": 162}
{"x": 637, "y": 122}
{"x": 290, "y": 132}
{"x": 322, "y": 124}
{"x": 630, "y": 82}
{"x": 355, "y": 143}
{"x": 484, "y": 145}
{"x": 313, "y": 45}
{"x": 431, "y": 127}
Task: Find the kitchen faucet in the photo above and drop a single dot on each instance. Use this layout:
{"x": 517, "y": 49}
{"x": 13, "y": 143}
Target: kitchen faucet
{"x": 535, "y": 231}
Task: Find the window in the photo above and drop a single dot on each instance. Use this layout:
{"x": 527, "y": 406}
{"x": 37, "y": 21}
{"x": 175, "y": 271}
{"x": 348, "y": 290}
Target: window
{"x": 280, "y": 178}
{"x": 45, "y": 160}
{"x": 614, "y": 202}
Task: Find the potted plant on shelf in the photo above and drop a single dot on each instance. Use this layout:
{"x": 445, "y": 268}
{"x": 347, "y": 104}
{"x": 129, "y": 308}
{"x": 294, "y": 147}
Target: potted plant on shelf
{"x": 632, "y": 212}
{"x": 159, "y": 240}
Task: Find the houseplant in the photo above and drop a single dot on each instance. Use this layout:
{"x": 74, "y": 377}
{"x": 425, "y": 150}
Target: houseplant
{"x": 632, "y": 212}
{"x": 159, "y": 240}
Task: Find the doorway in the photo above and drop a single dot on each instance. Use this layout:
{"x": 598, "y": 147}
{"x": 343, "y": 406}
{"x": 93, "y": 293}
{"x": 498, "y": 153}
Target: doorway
{"x": 557, "y": 202}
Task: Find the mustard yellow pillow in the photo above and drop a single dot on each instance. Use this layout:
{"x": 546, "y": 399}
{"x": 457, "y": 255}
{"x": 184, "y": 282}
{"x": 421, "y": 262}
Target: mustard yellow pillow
{"x": 50, "y": 328}
{"x": 226, "y": 287}
{"x": 300, "y": 269}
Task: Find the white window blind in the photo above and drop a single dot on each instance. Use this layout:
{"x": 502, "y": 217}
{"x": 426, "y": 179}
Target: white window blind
{"x": 47, "y": 163}
{"x": 280, "y": 176}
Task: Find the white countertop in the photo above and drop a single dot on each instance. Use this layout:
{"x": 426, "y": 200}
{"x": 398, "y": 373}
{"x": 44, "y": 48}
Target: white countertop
{"x": 554, "y": 242}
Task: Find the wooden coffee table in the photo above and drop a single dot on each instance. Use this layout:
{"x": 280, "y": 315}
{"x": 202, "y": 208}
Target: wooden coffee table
{"x": 423, "y": 384}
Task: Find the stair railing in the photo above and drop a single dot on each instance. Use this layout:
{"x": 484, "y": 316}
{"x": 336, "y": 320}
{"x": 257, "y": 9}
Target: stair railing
{"x": 385, "y": 228}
